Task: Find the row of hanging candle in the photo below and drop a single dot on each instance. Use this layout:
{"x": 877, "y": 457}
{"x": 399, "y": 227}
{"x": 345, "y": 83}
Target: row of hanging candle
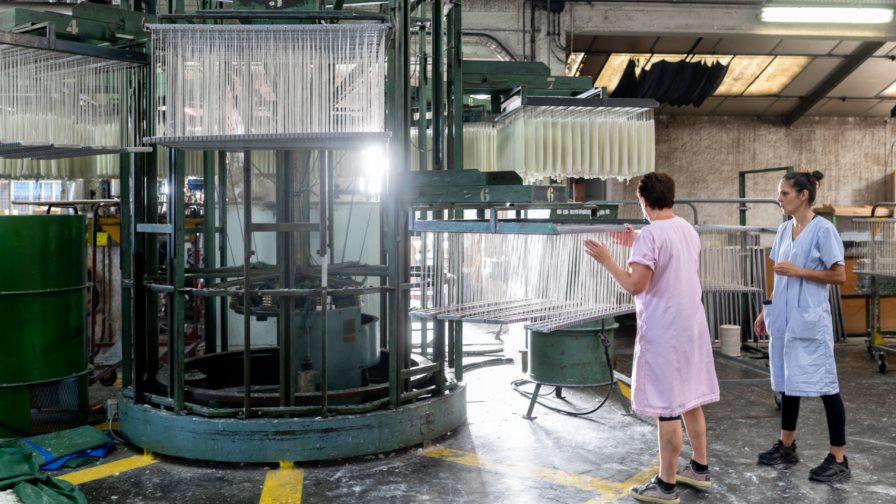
{"x": 577, "y": 142}
{"x": 278, "y": 79}
{"x": 49, "y": 97}
{"x": 539, "y": 142}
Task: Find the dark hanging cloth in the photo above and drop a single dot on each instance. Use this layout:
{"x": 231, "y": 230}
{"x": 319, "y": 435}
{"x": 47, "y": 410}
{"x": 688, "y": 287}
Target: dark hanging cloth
{"x": 683, "y": 87}
{"x": 678, "y": 83}
{"x": 654, "y": 82}
{"x": 628, "y": 82}
{"x": 701, "y": 74}
{"x": 716, "y": 75}
{"x": 681, "y": 82}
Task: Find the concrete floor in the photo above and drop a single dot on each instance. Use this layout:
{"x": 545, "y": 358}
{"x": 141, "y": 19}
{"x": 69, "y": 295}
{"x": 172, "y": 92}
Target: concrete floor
{"x": 500, "y": 457}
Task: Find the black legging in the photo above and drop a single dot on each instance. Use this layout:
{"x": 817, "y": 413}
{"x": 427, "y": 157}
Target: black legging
{"x": 833, "y": 410}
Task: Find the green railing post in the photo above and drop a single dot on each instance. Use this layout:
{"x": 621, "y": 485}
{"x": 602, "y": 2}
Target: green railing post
{"x": 209, "y": 235}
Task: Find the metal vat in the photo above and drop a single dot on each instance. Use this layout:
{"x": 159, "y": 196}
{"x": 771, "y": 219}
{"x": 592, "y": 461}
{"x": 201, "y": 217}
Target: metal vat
{"x": 573, "y": 356}
{"x": 43, "y": 347}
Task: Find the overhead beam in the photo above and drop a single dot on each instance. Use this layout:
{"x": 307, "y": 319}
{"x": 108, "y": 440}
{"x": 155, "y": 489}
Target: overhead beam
{"x": 696, "y": 19}
{"x": 847, "y": 67}
{"x": 51, "y": 43}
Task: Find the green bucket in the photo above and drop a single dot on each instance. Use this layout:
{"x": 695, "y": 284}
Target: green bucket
{"x": 573, "y": 356}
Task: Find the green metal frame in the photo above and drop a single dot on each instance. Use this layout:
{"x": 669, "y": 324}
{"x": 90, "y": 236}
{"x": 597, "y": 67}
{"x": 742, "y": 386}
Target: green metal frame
{"x": 88, "y": 24}
{"x": 144, "y": 419}
{"x": 742, "y": 186}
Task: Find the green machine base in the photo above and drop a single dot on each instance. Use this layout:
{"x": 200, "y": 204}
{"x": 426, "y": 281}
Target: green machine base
{"x": 571, "y": 357}
{"x": 291, "y": 439}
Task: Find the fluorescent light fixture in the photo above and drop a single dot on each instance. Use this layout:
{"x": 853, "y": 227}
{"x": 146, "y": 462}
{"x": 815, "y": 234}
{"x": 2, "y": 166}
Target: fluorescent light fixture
{"x": 838, "y": 15}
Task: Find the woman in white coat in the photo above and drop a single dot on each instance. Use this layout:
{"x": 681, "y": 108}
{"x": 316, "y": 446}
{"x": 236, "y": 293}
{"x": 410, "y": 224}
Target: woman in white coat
{"x": 808, "y": 255}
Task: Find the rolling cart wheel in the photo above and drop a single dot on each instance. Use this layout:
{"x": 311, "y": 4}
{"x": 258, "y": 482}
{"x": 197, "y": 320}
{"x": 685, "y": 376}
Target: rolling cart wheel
{"x": 778, "y": 396}
{"x": 882, "y": 362}
{"x": 868, "y": 347}
{"x": 109, "y": 379}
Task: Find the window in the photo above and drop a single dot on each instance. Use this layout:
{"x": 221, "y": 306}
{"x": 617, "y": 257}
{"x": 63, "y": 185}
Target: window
{"x": 34, "y": 190}
{"x": 4, "y": 196}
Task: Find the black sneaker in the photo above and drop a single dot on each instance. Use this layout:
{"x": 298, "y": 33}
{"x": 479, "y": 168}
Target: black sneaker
{"x": 779, "y": 454}
{"x": 830, "y": 470}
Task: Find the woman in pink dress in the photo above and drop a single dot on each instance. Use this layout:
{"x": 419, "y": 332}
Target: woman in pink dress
{"x": 673, "y": 374}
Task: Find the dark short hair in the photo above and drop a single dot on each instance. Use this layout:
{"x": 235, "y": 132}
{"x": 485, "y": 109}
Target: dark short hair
{"x": 805, "y": 181}
{"x": 658, "y": 190}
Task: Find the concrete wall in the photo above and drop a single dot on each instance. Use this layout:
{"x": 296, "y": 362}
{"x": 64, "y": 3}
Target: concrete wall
{"x": 704, "y": 155}
{"x": 504, "y": 20}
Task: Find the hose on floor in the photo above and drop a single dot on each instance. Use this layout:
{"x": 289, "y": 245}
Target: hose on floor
{"x": 112, "y": 431}
{"x": 516, "y": 384}
{"x": 499, "y": 361}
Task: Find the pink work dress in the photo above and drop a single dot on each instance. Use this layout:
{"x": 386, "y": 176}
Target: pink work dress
{"x": 673, "y": 370}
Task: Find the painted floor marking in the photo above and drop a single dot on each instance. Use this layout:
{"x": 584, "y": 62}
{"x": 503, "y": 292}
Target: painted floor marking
{"x": 108, "y": 469}
{"x": 283, "y": 485}
{"x": 609, "y": 490}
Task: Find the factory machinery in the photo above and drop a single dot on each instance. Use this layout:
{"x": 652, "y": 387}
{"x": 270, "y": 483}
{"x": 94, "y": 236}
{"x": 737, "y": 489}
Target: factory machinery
{"x": 876, "y": 274}
{"x": 66, "y": 86}
{"x": 304, "y": 96}
{"x": 288, "y": 92}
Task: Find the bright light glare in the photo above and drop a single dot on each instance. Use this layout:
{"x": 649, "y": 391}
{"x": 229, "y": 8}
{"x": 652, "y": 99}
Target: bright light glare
{"x": 857, "y": 15}
{"x": 374, "y": 164}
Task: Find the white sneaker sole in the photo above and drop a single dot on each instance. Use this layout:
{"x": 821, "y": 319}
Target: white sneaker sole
{"x": 647, "y": 498}
{"x": 698, "y": 484}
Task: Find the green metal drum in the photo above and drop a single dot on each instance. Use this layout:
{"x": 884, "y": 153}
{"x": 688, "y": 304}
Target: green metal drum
{"x": 573, "y": 356}
{"x": 352, "y": 344}
{"x": 43, "y": 347}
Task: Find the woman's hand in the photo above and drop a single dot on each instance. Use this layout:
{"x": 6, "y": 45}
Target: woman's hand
{"x": 759, "y": 326}
{"x": 785, "y": 268}
{"x": 598, "y": 251}
{"x": 625, "y": 238}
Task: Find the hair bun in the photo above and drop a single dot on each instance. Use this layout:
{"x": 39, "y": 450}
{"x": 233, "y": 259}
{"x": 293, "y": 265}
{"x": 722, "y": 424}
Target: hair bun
{"x": 817, "y": 175}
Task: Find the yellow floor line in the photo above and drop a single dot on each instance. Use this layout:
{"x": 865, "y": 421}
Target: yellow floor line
{"x": 283, "y": 486}
{"x": 608, "y": 490}
{"x": 109, "y": 469}
{"x": 625, "y": 389}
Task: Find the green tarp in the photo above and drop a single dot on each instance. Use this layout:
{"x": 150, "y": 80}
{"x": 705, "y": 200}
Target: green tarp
{"x": 47, "y": 447}
{"x": 18, "y": 471}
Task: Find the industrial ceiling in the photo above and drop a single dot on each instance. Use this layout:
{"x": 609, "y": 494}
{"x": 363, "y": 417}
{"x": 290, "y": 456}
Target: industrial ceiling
{"x": 787, "y": 70}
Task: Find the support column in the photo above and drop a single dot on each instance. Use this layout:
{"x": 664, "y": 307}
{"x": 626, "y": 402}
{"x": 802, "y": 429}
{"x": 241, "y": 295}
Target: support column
{"x": 209, "y": 235}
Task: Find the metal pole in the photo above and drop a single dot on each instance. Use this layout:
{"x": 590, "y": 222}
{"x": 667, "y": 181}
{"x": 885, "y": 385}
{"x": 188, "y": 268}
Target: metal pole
{"x": 247, "y": 284}
{"x": 126, "y": 167}
{"x": 438, "y": 98}
{"x": 455, "y": 89}
{"x": 286, "y": 263}
{"x": 324, "y": 217}
{"x": 222, "y": 244}
{"x": 208, "y": 247}
{"x": 175, "y": 272}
